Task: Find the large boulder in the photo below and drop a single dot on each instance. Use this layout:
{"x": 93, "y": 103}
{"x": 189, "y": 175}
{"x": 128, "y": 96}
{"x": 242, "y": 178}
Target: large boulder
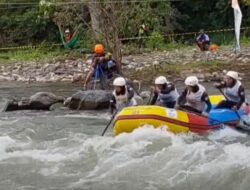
{"x": 38, "y": 101}
{"x": 92, "y": 100}
{"x": 89, "y": 100}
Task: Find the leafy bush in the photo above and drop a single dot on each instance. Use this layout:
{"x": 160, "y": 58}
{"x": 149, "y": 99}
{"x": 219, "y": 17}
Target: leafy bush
{"x": 155, "y": 41}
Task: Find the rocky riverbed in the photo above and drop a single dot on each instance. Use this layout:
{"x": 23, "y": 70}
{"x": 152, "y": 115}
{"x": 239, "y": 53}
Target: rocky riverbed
{"x": 74, "y": 70}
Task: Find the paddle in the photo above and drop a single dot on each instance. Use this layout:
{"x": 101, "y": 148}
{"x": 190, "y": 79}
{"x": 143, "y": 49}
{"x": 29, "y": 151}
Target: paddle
{"x": 107, "y": 126}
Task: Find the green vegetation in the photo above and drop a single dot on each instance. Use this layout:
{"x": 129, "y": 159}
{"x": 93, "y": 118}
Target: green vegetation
{"x": 38, "y": 55}
{"x": 36, "y": 22}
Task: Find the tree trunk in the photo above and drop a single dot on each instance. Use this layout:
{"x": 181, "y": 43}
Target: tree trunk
{"x": 95, "y": 11}
{"x": 105, "y": 26}
{"x": 117, "y": 53}
{"x": 112, "y": 34}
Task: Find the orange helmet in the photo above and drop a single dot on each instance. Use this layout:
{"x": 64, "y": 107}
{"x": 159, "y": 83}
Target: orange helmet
{"x": 99, "y": 49}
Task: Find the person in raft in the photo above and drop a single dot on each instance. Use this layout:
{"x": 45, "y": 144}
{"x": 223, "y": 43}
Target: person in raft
{"x": 194, "y": 98}
{"x": 123, "y": 95}
{"x": 233, "y": 91}
{"x": 165, "y": 93}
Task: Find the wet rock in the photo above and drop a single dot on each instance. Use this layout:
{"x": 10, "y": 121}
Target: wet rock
{"x": 32, "y": 79}
{"x": 215, "y": 74}
{"x": 224, "y": 72}
{"x": 185, "y": 63}
{"x": 130, "y": 67}
{"x": 89, "y": 61}
{"x": 208, "y": 76}
{"x": 133, "y": 64}
{"x": 5, "y": 78}
{"x": 125, "y": 62}
{"x": 80, "y": 65}
{"x": 41, "y": 79}
{"x": 246, "y": 60}
{"x": 2, "y": 68}
{"x": 69, "y": 62}
{"x": 16, "y": 77}
{"x": 200, "y": 76}
{"x": 6, "y": 74}
{"x": 77, "y": 77}
{"x": 139, "y": 69}
{"x": 60, "y": 71}
{"x": 45, "y": 66}
{"x": 86, "y": 70}
{"x": 67, "y": 79}
{"x": 89, "y": 100}
{"x": 38, "y": 101}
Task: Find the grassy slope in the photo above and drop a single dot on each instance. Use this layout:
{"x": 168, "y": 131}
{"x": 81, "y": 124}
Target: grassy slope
{"x": 38, "y": 55}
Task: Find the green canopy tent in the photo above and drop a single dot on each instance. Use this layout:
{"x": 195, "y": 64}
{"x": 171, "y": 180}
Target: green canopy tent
{"x": 74, "y": 40}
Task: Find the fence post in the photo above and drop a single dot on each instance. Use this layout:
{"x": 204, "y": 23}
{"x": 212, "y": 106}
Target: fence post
{"x": 223, "y": 37}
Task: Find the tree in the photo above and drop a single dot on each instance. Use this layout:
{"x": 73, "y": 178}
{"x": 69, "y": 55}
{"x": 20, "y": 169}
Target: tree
{"x": 247, "y": 2}
{"x": 95, "y": 11}
{"x": 112, "y": 20}
{"x": 24, "y": 24}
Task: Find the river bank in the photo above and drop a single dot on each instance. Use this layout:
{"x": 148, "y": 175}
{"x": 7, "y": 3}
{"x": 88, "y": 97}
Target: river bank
{"x": 176, "y": 64}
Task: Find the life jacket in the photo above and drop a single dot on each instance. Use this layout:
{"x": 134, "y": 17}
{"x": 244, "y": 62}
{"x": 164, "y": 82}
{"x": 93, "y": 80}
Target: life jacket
{"x": 194, "y": 99}
{"x": 232, "y": 94}
{"x": 122, "y": 101}
{"x": 98, "y": 65}
{"x": 163, "y": 99}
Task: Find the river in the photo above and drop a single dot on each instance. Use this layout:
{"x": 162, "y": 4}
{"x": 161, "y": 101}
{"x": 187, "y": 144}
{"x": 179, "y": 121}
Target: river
{"x": 63, "y": 150}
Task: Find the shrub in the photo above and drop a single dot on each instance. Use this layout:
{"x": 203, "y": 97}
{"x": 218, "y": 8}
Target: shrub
{"x": 155, "y": 41}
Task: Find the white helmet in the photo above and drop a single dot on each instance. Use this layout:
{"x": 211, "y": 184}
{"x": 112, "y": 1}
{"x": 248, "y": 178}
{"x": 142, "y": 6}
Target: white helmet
{"x": 120, "y": 81}
{"x": 233, "y": 75}
{"x": 67, "y": 31}
{"x": 191, "y": 81}
{"x": 161, "y": 80}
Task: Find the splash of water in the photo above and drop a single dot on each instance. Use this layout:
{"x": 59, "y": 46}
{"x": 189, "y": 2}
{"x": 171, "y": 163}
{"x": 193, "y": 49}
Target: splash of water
{"x": 148, "y": 158}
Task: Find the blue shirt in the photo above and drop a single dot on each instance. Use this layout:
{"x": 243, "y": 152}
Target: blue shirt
{"x": 203, "y": 38}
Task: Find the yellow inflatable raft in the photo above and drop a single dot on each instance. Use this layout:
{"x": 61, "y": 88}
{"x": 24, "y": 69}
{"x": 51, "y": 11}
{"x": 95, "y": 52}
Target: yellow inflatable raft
{"x": 175, "y": 120}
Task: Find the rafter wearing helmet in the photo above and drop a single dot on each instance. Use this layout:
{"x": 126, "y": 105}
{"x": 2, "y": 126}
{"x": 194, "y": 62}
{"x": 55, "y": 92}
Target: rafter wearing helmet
{"x": 233, "y": 90}
{"x": 194, "y": 98}
{"x": 123, "y": 95}
{"x": 165, "y": 93}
